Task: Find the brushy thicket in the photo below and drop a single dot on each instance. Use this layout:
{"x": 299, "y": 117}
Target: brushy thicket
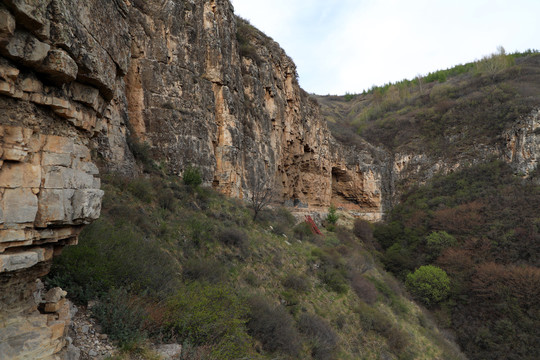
{"x": 478, "y": 225}
{"x": 481, "y": 227}
{"x": 170, "y": 262}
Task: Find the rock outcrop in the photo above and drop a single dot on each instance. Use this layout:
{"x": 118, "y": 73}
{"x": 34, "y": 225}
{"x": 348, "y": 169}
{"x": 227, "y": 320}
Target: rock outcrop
{"x": 522, "y": 141}
{"x": 61, "y": 109}
{"x": 199, "y": 98}
{"x": 201, "y": 87}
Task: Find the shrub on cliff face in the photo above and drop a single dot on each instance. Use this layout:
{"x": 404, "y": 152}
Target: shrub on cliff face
{"x": 192, "y": 176}
{"x": 429, "y": 284}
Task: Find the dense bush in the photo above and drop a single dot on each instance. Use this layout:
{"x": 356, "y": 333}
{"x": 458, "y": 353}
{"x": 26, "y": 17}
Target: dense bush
{"x": 332, "y": 269}
{"x": 364, "y": 289}
{"x": 296, "y": 282}
{"x": 429, "y": 284}
{"x": 438, "y": 241}
{"x": 141, "y": 188}
{"x": 211, "y": 314}
{"x": 323, "y": 338}
{"x": 113, "y": 257}
{"x": 273, "y": 326}
{"x": 122, "y": 316}
{"x": 473, "y": 223}
{"x": 192, "y": 176}
{"x": 303, "y": 231}
{"x": 234, "y": 237}
{"x": 204, "y": 269}
{"x": 362, "y": 229}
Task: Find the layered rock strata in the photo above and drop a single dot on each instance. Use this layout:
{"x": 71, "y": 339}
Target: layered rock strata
{"x": 61, "y": 105}
{"x": 196, "y": 97}
{"x": 78, "y": 78}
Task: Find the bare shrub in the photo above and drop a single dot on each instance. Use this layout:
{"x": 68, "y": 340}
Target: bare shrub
{"x": 234, "y": 237}
{"x": 364, "y": 289}
{"x": 363, "y": 230}
{"x": 325, "y": 340}
{"x": 273, "y": 326}
{"x": 296, "y": 282}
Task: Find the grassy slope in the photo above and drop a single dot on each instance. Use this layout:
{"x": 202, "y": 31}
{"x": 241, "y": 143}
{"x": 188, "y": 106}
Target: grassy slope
{"x": 489, "y": 214}
{"x": 174, "y": 263}
{"x": 442, "y": 119}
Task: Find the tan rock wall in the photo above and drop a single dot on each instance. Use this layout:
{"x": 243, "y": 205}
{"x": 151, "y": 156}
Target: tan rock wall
{"x": 76, "y": 77}
{"x": 241, "y": 120}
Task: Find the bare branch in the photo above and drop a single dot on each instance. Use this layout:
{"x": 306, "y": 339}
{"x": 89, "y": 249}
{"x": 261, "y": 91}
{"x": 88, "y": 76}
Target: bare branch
{"x": 262, "y": 194}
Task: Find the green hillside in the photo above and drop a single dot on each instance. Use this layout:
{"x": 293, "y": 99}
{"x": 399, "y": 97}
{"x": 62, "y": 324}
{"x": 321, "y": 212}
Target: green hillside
{"x": 479, "y": 226}
{"x": 444, "y": 113}
{"x": 170, "y": 262}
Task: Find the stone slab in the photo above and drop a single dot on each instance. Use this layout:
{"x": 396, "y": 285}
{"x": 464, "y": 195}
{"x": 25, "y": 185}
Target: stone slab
{"x": 17, "y": 261}
{"x": 19, "y": 205}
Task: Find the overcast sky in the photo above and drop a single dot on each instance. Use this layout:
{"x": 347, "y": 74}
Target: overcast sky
{"x": 349, "y": 45}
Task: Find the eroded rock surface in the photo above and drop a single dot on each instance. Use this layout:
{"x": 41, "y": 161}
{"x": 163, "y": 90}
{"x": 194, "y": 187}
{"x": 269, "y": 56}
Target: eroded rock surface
{"x": 78, "y": 77}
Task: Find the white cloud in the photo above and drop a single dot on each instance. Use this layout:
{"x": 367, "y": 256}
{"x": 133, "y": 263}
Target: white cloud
{"x": 350, "y": 45}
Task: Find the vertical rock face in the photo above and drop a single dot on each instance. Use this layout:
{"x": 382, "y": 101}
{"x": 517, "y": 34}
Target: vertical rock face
{"x": 76, "y": 77}
{"x": 61, "y": 99}
{"x": 241, "y": 119}
{"x": 523, "y": 144}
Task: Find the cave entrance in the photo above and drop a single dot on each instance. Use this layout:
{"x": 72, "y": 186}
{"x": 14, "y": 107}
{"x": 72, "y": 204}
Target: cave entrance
{"x": 339, "y": 176}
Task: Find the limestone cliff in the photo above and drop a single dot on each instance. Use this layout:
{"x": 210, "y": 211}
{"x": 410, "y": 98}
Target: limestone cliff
{"x": 77, "y": 77}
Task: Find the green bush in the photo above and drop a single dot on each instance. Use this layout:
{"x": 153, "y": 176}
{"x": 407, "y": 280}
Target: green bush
{"x": 207, "y": 314}
{"x": 332, "y": 216}
{"x": 121, "y": 316}
{"x": 192, "y": 176}
{"x": 335, "y": 280}
{"x": 234, "y": 237}
{"x": 109, "y": 256}
{"x": 429, "y": 284}
{"x": 437, "y": 241}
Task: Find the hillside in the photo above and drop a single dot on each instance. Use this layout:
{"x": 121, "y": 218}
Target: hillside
{"x": 465, "y": 144}
{"x": 457, "y": 116}
{"x": 141, "y": 130}
{"x": 171, "y": 262}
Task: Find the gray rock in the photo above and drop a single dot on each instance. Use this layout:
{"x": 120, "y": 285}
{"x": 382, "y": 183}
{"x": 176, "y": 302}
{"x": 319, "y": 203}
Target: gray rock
{"x": 7, "y": 24}
{"x": 27, "y": 49}
{"x": 54, "y": 295}
{"x": 72, "y": 353}
{"x": 20, "y": 205}
{"x": 59, "y": 66}
{"x": 169, "y": 351}
{"x": 31, "y": 14}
